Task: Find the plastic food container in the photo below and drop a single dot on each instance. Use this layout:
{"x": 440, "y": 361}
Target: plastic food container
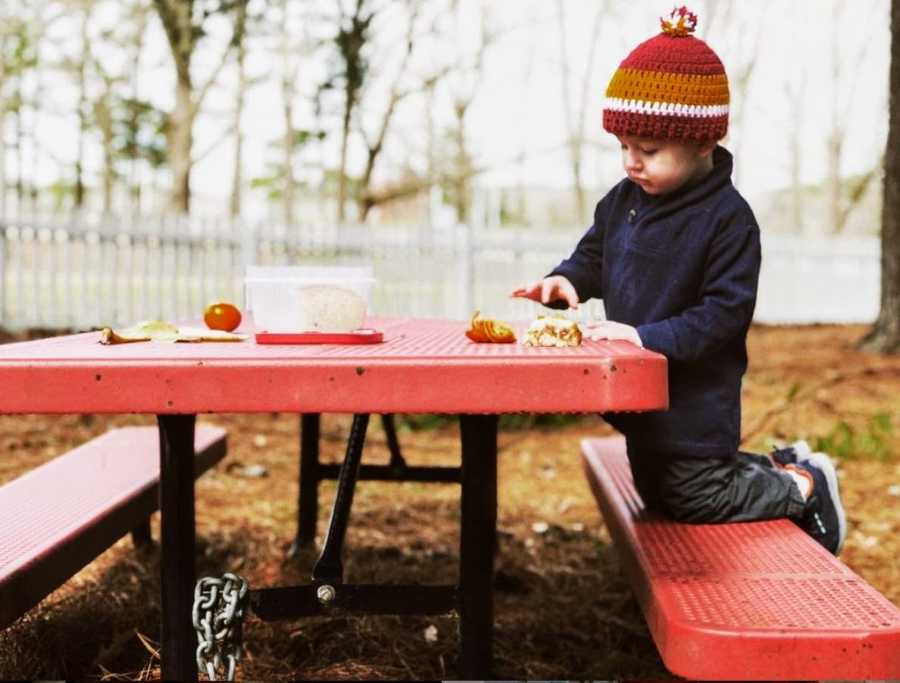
{"x": 308, "y": 298}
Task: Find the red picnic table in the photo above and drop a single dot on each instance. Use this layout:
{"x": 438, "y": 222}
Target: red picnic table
{"x": 423, "y": 366}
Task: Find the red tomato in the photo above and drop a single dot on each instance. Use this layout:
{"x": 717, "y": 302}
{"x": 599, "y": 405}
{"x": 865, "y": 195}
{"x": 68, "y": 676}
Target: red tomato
{"x": 222, "y": 316}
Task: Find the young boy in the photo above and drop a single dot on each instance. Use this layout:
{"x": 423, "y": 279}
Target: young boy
{"x": 674, "y": 254}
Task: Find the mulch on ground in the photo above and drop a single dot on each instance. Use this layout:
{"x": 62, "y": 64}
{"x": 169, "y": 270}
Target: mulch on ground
{"x": 562, "y": 608}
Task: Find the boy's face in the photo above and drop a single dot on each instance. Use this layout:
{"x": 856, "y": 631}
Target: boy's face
{"x": 661, "y": 166}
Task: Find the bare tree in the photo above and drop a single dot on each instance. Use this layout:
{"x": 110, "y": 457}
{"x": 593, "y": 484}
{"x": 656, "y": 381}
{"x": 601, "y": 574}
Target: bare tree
{"x": 289, "y": 71}
{"x": 80, "y": 67}
{"x": 465, "y": 83}
{"x": 885, "y": 335}
{"x": 354, "y": 40}
{"x": 184, "y": 22}
{"x": 139, "y": 16}
{"x": 741, "y": 35}
{"x": 103, "y": 117}
{"x": 375, "y": 145}
{"x": 576, "y": 121}
{"x": 76, "y": 63}
{"x": 795, "y": 96}
{"x": 295, "y": 48}
{"x": 354, "y": 32}
{"x": 795, "y": 89}
{"x": 240, "y": 42}
{"x": 844, "y": 81}
{"x": 294, "y": 33}
{"x": 19, "y": 44}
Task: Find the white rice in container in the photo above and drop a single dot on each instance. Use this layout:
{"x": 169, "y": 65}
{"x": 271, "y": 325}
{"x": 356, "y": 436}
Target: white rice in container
{"x": 330, "y": 308}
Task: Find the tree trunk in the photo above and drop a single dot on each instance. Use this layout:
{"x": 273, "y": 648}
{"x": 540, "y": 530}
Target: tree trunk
{"x": 342, "y": 169}
{"x": 796, "y": 185}
{"x": 574, "y": 137}
{"x": 180, "y": 144}
{"x": 463, "y": 166}
{"x": 794, "y": 95}
{"x": 288, "y": 150}
{"x": 237, "y": 180}
{"x": 177, "y": 20}
{"x": 106, "y": 133}
{"x": 835, "y": 141}
{"x": 34, "y": 144}
{"x": 288, "y": 142}
{"x": 835, "y": 206}
{"x": 137, "y": 46}
{"x": 82, "y": 110}
{"x": 885, "y": 335}
{"x": 364, "y": 200}
{"x": 20, "y": 135}
{"x": 2, "y": 165}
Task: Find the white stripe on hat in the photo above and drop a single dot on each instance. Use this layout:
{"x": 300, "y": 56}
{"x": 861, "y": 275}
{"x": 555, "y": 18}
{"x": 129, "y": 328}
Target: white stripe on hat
{"x": 665, "y": 108}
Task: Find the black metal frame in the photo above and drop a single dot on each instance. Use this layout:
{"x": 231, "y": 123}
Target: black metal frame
{"x": 327, "y": 594}
{"x": 177, "y": 546}
{"x": 312, "y": 472}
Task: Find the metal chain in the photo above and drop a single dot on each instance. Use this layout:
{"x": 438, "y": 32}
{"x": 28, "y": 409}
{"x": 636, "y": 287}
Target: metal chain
{"x": 218, "y": 617}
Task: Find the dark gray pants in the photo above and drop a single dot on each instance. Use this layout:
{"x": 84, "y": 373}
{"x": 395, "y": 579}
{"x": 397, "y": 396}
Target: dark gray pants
{"x": 744, "y": 487}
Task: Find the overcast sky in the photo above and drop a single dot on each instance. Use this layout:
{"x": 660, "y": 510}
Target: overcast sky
{"x": 516, "y": 123}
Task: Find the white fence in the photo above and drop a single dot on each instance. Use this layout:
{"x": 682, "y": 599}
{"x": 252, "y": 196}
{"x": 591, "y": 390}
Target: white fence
{"x": 87, "y": 274}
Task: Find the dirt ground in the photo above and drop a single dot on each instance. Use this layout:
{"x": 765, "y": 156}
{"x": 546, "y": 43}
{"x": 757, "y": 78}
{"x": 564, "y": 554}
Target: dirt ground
{"x": 562, "y": 608}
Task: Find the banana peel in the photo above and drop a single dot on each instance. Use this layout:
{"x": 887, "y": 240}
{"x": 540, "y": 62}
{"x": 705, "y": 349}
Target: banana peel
{"x": 489, "y": 331}
{"x": 161, "y": 331}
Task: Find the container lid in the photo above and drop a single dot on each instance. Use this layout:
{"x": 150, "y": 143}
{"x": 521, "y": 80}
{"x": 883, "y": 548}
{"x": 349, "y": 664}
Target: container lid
{"x": 310, "y": 280}
{"x": 262, "y": 273}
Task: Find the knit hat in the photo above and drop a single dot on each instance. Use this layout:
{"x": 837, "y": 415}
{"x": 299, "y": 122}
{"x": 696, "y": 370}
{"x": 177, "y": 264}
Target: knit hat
{"x": 672, "y": 86}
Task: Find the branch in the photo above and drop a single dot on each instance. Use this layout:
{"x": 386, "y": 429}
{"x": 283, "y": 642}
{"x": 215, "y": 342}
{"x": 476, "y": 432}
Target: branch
{"x": 858, "y": 190}
{"x": 166, "y": 12}
{"x": 564, "y": 65}
{"x": 587, "y": 81}
{"x": 202, "y": 92}
{"x": 396, "y": 96}
{"x": 232, "y": 128}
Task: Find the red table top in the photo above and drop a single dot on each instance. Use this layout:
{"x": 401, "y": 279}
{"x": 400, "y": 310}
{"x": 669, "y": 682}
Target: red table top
{"x": 423, "y": 366}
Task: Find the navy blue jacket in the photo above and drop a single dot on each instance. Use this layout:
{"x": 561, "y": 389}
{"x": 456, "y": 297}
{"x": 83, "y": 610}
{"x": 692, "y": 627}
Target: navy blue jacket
{"x": 683, "y": 269}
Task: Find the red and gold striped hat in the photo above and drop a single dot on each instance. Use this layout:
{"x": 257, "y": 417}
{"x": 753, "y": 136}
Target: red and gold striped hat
{"x": 672, "y": 86}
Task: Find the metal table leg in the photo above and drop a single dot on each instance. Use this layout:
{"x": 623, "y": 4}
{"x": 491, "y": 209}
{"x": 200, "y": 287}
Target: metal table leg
{"x": 312, "y": 472}
{"x": 308, "y": 496}
{"x": 328, "y": 594}
{"x": 473, "y": 597}
{"x": 390, "y": 434}
{"x": 177, "y": 541}
{"x": 330, "y": 567}
{"x": 478, "y": 537}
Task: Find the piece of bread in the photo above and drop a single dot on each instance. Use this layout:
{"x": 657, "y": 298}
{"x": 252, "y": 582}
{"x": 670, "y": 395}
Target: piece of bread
{"x": 552, "y": 331}
{"x": 161, "y": 331}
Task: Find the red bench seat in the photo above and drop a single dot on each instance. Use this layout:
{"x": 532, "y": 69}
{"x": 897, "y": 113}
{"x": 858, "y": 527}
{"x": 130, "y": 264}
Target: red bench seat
{"x": 58, "y": 517}
{"x": 745, "y": 601}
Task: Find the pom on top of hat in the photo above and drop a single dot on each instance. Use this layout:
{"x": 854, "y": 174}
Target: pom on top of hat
{"x": 672, "y": 86}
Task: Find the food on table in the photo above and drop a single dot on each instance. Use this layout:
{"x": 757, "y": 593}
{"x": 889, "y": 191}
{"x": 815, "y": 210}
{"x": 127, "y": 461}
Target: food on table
{"x": 161, "y": 331}
{"x": 146, "y": 330}
{"x": 487, "y": 330}
{"x": 552, "y": 331}
{"x": 198, "y": 334}
{"x": 330, "y": 308}
{"x": 222, "y": 315}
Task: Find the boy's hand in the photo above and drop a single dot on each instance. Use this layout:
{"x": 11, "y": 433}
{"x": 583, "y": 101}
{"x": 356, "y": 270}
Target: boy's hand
{"x": 607, "y": 329}
{"x": 549, "y": 289}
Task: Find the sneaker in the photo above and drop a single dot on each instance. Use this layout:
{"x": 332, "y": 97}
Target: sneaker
{"x": 824, "y": 518}
{"x": 797, "y": 452}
